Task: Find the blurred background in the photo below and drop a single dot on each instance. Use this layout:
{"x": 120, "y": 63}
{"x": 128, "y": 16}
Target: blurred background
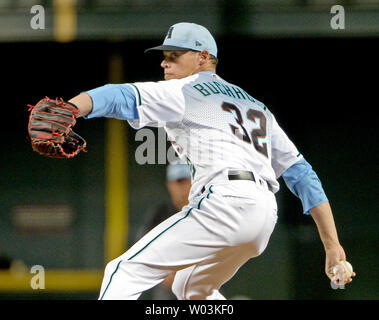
{"x": 72, "y": 216}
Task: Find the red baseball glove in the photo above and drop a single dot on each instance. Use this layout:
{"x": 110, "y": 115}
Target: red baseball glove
{"x": 50, "y": 129}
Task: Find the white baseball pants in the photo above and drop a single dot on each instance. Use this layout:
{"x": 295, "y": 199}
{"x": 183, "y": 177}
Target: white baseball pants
{"x": 205, "y": 244}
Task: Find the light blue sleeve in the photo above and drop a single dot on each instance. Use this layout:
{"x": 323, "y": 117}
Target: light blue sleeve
{"x": 305, "y": 184}
{"x": 113, "y": 101}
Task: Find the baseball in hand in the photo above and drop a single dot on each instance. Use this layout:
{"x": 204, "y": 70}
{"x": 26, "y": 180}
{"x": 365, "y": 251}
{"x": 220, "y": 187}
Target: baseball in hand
{"x": 342, "y": 272}
{"x": 348, "y": 269}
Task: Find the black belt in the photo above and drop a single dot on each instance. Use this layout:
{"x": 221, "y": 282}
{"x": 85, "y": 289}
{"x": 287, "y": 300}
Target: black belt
{"x": 242, "y": 175}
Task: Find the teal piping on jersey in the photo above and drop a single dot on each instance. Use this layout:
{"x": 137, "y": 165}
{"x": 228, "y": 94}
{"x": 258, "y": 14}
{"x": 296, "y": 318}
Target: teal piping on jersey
{"x": 186, "y": 215}
{"x": 138, "y": 94}
{"x": 207, "y": 196}
{"x": 110, "y": 280}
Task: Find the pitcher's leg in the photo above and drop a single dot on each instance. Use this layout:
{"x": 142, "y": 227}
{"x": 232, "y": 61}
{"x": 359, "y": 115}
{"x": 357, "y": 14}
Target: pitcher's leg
{"x": 176, "y": 243}
{"x": 203, "y": 280}
{"x": 126, "y": 279}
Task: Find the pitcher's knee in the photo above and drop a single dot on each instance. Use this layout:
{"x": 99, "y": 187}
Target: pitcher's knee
{"x": 111, "y": 266}
{"x": 109, "y": 271}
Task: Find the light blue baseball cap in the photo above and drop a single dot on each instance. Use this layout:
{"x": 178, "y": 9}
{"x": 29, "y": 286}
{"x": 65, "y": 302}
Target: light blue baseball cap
{"x": 177, "y": 171}
{"x": 188, "y": 36}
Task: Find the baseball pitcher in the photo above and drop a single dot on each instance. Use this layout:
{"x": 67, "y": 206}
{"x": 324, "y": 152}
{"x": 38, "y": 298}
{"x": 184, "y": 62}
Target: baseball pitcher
{"x": 236, "y": 151}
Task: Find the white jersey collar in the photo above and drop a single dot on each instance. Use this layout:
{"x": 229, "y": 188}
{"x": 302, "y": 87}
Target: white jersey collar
{"x": 209, "y": 72}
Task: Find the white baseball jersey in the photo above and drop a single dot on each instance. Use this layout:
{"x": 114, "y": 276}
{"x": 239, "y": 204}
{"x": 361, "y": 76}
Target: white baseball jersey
{"x": 216, "y": 126}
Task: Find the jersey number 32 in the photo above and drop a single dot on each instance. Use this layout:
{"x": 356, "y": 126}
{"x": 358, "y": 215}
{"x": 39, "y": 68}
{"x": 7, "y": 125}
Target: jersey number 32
{"x": 255, "y": 134}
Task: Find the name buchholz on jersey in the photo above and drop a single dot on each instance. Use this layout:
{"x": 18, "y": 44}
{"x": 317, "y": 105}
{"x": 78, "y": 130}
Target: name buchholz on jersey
{"x": 208, "y": 88}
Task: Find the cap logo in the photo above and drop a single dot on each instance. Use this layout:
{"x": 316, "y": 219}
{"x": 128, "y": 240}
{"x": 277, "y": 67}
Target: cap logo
{"x": 197, "y": 43}
{"x": 169, "y": 33}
